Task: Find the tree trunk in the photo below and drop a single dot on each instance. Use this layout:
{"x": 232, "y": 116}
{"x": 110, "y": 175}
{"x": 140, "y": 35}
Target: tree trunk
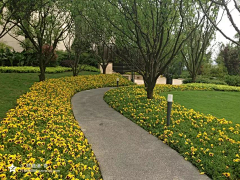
{"x": 194, "y": 78}
{"x": 104, "y": 68}
{"x": 149, "y": 85}
{"x": 42, "y": 70}
{"x": 150, "y": 92}
{"x": 75, "y": 73}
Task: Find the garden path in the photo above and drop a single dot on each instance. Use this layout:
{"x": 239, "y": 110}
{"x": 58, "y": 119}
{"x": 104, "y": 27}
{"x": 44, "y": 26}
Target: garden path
{"x": 125, "y": 150}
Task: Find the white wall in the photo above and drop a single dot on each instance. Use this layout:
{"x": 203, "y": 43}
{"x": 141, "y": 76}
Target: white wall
{"x": 7, "y": 39}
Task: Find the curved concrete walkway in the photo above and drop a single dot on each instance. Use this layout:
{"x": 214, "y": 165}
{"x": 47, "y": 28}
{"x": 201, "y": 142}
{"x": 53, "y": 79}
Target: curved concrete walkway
{"x": 125, "y": 150}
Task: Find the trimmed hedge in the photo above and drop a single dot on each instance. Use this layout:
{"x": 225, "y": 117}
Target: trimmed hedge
{"x": 41, "y": 133}
{"x": 91, "y": 69}
{"x": 30, "y": 69}
{"x": 213, "y": 87}
{"x": 205, "y": 80}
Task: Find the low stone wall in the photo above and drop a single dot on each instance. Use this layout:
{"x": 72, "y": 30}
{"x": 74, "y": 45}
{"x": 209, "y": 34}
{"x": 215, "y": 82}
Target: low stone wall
{"x": 161, "y": 80}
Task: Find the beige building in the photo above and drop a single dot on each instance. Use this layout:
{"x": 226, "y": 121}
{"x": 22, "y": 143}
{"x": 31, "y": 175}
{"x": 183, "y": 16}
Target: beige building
{"x": 7, "y": 39}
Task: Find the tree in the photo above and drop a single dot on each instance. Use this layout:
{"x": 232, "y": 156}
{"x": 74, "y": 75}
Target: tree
{"x": 152, "y": 32}
{"x": 6, "y": 14}
{"x": 100, "y": 34}
{"x": 78, "y": 45}
{"x": 104, "y": 54}
{"x": 230, "y": 56}
{"x": 47, "y": 24}
{"x": 224, "y": 4}
{"x": 196, "y": 46}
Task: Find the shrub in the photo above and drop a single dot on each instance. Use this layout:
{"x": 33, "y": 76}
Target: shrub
{"x": 61, "y": 55}
{"x": 85, "y": 58}
{"x": 42, "y": 130}
{"x": 232, "y": 80}
{"x": 5, "y": 46}
{"x": 218, "y": 71}
{"x": 209, "y": 70}
{"x": 214, "y": 87}
{"x": 48, "y": 53}
{"x": 9, "y": 57}
{"x": 211, "y": 144}
{"x": 91, "y": 69}
{"x": 205, "y": 80}
{"x": 30, "y": 58}
{"x": 29, "y": 69}
{"x": 67, "y": 63}
{"x": 6, "y": 57}
{"x": 184, "y": 74}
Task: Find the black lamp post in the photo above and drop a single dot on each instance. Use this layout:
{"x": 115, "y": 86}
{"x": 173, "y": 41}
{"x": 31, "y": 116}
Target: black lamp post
{"x": 169, "y": 108}
{"x": 117, "y": 82}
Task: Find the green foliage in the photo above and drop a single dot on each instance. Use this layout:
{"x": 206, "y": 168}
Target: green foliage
{"x": 211, "y": 144}
{"x": 175, "y": 68}
{"x": 233, "y": 80}
{"x": 204, "y": 80}
{"x": 9, "y": 57}
{"x": 230, "y": 55}
{"x": 62, "y": 55}
{"x": 29, "y": 69}
{"x": 214, "y": 87}
{"x": 91, "y": 68}
{"x": 185, "y": 74}
{"x": 208, "y": 70}
{"x": 218, "y": 71}
{"x": 52, "y": 135}
{"x": 41, "y": 22}
{"x": 5, "y": 46}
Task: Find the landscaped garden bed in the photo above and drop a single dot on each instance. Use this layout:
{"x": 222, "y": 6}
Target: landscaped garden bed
{"x": 211, "y": 144}
{"x": 41, "y": 134}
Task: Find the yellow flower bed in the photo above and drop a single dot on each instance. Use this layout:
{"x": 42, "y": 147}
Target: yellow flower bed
{"x": 211, "y": 144}
{"x": 40, "y": 139}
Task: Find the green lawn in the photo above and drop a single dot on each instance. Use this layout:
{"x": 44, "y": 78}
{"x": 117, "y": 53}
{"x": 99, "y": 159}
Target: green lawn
{"x": 218, "y": 103}
{"x": 12, "y": 85}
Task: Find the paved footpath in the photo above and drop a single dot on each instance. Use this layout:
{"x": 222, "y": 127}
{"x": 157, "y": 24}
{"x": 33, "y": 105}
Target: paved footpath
{"x": 124, "y": 150}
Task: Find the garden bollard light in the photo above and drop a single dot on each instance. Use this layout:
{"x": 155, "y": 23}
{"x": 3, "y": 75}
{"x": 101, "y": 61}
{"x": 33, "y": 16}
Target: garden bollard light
{"x": 169, "y": 108}
{"x": 117, "y": 82}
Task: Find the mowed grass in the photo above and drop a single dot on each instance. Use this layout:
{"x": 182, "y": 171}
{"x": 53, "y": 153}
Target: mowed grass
{"x": 217, "y": 103}
{"x": 13, "y": 85}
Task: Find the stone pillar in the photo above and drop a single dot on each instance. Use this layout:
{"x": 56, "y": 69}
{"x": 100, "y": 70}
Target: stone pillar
{"x": 109, "y": 69}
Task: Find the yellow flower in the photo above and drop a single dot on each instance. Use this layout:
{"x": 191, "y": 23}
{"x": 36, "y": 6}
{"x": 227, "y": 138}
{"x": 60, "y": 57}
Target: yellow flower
{"x": 236, "y": 160}
{"x": 211, "y": 154}
{"x": 3, "y": 176}
{"x": 226, "y": 174}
